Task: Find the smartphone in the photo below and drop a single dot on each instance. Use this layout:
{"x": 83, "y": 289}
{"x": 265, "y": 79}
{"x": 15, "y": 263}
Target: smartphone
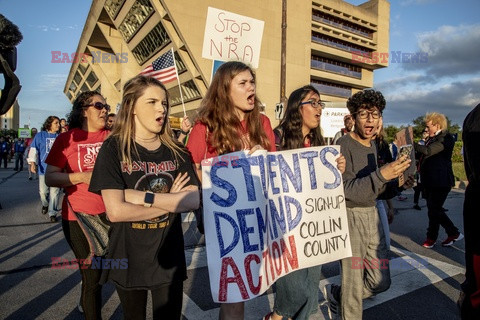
{"x": 405, "y": 150}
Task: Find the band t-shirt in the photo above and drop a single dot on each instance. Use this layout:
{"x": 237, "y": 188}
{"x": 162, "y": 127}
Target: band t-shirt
{"x": 154, "y": 248}
{"x": 76, "y": 151}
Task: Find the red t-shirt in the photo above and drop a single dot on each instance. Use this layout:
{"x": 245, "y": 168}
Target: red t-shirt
{"x": 197, "y": 144}
{"x": 76, "y": 151}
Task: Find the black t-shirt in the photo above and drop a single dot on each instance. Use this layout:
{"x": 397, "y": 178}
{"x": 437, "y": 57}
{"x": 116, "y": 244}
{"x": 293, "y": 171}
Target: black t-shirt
{"x": 154, "y": 249}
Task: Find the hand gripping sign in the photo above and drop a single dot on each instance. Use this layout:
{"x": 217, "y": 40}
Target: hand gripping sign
{"x": 269, "y": 214}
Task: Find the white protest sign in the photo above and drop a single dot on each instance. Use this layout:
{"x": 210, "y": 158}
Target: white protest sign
{"x": 229, "y": 36}
{"x": 332, "y": 121}
{"x": 269, "y": 214}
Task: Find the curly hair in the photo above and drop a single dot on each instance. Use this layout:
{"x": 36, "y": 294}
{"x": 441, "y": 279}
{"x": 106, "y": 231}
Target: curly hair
{"x": 217, "y": 112}
{"x": 290, "y": 127}
{"x": 75, "y": 117}
{"x": 366, "y": 99}
{"x": 47, "y": 125}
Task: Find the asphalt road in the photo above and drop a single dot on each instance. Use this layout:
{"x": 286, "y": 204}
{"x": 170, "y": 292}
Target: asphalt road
{"x": 425, "y": 282}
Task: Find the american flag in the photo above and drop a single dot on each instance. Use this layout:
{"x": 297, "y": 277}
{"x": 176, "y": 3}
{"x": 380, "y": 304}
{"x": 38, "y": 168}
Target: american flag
{"x": 163, "y": 68}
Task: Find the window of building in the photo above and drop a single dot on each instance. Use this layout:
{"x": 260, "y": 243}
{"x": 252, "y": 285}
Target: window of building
{"x": 339, "y": 44}
{"x": 78, "y": 78}
{"x": 82, "y": 68}
{"x": 153, "y": 42}
{"x": 180, "y": 64}
{"x": 72, "y": 87}
{"x": 113, "y": 7}
{"x": 339, "y": 67}
{"x": 138, "y": 14}
{"x": 84, "y": 88}
{"x": 341, "y": 24}
{"x": 332, "y": 89}
{"x": 91, "y": 79}
{"x": 189, "y": 90}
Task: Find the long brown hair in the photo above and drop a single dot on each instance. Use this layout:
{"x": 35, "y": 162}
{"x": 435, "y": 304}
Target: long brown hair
{"x": 124, "y": 128}
{"x": 290, "y": 127}
{"x": 217, "y": 113}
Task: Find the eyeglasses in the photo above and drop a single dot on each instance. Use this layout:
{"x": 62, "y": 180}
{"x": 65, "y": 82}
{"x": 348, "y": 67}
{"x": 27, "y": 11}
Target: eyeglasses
{"x": 364, "y": 114}
{"x": 315, "y": 104}
{"x": 99, "y": 106}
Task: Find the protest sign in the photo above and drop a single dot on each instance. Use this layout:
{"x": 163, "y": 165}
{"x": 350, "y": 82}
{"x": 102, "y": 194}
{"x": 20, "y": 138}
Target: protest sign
{"x": 24, "y": 133}
{"x": 269, "y": 214}
{"x": 229, "y": 36}
{"x": 332, "y": 120}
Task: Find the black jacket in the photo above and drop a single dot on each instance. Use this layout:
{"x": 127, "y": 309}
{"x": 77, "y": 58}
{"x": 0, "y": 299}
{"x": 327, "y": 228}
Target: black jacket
{"x": 436, "y": 161}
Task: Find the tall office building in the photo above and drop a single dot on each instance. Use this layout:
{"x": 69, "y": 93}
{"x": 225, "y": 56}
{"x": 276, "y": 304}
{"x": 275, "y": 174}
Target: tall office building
{"x": 331, "y": 44}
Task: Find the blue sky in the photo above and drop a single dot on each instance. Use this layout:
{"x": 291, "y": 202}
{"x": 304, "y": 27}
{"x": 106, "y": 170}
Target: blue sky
{"x": 447, "y": 31}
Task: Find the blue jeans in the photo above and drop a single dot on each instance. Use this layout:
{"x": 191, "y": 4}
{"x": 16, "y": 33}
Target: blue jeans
{"x": 49, "y": 196}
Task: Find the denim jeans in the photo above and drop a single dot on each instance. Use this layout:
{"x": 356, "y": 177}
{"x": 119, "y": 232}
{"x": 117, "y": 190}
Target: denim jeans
{"x": 49, "y": 196}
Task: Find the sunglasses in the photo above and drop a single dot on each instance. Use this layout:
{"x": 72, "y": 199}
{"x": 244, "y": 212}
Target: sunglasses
{"x": 99, "y": 106}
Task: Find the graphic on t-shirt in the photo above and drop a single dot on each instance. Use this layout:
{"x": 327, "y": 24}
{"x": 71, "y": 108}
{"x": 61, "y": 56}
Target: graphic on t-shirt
{"x": 48, "y": 146}
{"x": 159, "y": 182}
{"x": 87, "y": 155}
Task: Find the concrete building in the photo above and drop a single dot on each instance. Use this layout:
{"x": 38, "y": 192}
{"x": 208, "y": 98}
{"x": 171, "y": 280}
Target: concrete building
{"x": 11, "y": 119}
{"x": 330, "y": 44}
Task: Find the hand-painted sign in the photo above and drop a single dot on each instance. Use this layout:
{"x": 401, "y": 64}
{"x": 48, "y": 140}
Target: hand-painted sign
{"x": 229, "y": 36}
{"x": 269, "y": 214}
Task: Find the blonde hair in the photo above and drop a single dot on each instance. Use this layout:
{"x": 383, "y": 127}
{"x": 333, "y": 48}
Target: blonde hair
{"x": 437, "y": 119}
{"x": 124, "y": 129}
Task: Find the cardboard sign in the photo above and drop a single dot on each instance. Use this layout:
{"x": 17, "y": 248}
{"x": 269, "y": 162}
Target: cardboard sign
{"x": 229, "y": 36}
{"x": 269, "y": 214}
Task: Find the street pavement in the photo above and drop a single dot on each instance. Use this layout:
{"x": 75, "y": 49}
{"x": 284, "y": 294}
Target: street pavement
{"x": 425, "y": 282}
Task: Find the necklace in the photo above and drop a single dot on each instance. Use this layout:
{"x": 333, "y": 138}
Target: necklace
{"x": 154, "y": 139}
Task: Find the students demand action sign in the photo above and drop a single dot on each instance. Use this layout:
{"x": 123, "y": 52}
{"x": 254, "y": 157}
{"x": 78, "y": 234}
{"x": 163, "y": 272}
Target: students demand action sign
{"x": 269, "y": 214}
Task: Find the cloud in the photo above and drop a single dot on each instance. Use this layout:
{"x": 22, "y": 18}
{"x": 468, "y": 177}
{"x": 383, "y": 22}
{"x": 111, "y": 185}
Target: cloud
{"x": 46, "y": 28}
{"x": 401, "y": 82}
{"x": 454, "y": 100}
{"x": 49, "y": 83}
{"x": 416, "y": 2}
{"x": 452, "y": 51}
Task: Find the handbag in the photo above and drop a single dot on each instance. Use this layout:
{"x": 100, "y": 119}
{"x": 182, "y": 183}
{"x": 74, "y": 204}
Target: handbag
{"x": 96, "y": 229}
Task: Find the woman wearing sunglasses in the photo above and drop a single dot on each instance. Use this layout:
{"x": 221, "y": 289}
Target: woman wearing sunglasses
{"x": 297, "y": 292}
{"x": 70, "y": 165}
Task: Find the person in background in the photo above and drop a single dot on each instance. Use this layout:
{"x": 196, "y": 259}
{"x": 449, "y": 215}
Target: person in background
{"x": 348, "y": 123}
{"x": 229, "y": 120}
{"x": 28, "y": 143}
{"x": 185, "y": 128}
{"x": 363, "y": 182}
{"x": 19, "y": 153}
{"x": 297, "y": 292}
{"x": 470, "y": 295}
{"x": 437, "y": 178}
{"x": 146, "y": 180}
{"x": 70, "y": 165}
{"x": 418, "y": 188}
{"x": 63, "y": 125}
{"x": 110, "y": 121}
{"x": 39, "y": 150}
{"x": 4, "y": 150}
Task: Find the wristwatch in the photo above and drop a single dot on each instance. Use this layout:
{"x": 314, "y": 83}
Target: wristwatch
{"x": 148, "y": 200}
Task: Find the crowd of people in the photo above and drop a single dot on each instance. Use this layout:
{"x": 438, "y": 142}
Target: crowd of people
{"x": 100, "y": 159}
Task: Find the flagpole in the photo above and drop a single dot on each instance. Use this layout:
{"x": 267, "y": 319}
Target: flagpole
{"x": 179, "y": 86}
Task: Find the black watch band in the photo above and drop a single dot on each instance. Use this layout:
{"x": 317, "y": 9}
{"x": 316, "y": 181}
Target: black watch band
{"x": 148, "y": 200}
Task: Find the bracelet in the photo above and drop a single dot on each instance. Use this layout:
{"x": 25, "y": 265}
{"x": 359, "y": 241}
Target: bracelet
{"x": 184, "y": 132}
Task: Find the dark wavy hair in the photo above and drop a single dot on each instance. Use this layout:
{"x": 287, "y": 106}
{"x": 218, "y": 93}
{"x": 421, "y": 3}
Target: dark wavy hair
{"x": 217, "y": 112}
{"x": 366, "y": 99}
{"x": 75, "y": 117}
{"x": 290, "y": 127}
{"x": 47, "y": 125}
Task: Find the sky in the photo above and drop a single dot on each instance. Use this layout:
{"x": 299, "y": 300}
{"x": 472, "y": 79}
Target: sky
{"x": 445, "y": 32}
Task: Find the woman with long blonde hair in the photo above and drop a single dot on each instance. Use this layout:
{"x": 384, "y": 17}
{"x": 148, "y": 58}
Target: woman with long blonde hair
{"x": 145, "y": 179}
